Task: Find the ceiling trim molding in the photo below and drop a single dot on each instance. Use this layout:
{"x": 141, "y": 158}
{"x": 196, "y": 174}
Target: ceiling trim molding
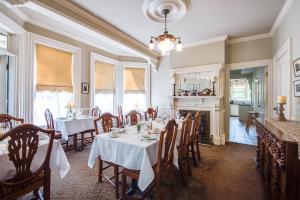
{"x": 76, "y": 13}
{"x": 65, "y": 33}
{"x": 9, "y": 25}
{"x": 285, "y": 9}
{"x": 207, "y": 41}
{"x": 249, "y": 38}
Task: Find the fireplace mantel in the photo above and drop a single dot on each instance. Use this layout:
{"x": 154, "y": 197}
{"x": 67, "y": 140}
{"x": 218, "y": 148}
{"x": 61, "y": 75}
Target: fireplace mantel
{"x": 213, "y": 104}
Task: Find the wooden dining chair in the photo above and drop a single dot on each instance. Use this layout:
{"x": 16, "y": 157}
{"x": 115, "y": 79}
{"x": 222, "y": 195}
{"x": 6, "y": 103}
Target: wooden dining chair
{"x": 7, "y": 121}
{"x": 133, "y": 117}
{"x": 22, "y": 147}
{"x": 50, "y": 123}
{"x": 194, "y": 137}
{"x": 183, "y": 148}
{"x": 121, "y": 116}
{"x": 96, "y": 111}
{"x": 107, "y": 122}
{"x": 150, "y": 113}
{"x": 164, "y": 164}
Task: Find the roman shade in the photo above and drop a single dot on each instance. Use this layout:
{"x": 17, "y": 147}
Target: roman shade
{"x": 104, "y": 77}
{"x": 53, "y": 69}
{"x": 134, "y": 79}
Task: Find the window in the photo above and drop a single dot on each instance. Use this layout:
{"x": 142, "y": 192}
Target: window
{"x": 134, "y": 89}
{"x": 53, "y": 82}
{"x": 240, "y": 91}
{"x": 104, "y": 77}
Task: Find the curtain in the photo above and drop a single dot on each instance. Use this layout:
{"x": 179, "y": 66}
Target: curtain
{"x": 53, "y": 69}
{"x": 134, "y": 80}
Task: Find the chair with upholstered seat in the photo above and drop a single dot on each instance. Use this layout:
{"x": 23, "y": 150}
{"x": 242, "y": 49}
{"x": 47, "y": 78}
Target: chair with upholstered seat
{"x": 108, "y": 121}
{"x": 194, "y": 137}
{"x": 22, "y": 147}
{"x": 164, "y": 164}
{"x": 8, "y": 122}
{"x": 133, "y": 117}
{"x": 183, "y": 147}
{"x": 96, "y": 111}
{"x": 150, "y": 113}
{"x": 50, "y": 123}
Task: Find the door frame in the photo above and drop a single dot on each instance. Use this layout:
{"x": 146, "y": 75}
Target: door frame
{"x": 286, "y": 48}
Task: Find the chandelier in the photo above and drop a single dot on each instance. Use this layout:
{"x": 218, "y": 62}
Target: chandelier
{"x": 165, "y": 42}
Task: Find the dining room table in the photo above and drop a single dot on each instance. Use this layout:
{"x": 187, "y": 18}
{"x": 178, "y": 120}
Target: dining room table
{"x": 72, "y": 126}
{"x": 58, "y": 158}
{"x": 132, "y": 149}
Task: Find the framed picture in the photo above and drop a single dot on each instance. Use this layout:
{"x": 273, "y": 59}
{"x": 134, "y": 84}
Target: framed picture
{"x": 84, "y": 88}
{"x": 297, "y": 88}
{"x": 296, "y": 65}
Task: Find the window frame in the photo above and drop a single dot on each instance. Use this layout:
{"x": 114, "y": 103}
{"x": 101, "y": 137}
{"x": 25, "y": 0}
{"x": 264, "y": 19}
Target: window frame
{"x": 119, "y": 78}
{"x": 76, "y": 68}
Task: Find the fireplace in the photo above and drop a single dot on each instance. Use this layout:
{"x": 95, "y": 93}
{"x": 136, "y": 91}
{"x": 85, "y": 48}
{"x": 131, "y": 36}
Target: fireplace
{"x": 204, "y": 132}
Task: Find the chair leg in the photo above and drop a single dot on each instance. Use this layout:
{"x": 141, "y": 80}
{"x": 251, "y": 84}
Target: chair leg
{"x": 92, "y": 135}
{"x": 123, "y": 189}
{"x": 181, "y": 171}
{"x": 188, "y": 162}
{"x": 100, "y": 170}
{"x": 75, "y": 142}
{"x": 82, "y": 141}
{"x": 157, "y": 185}
{"x": 193, "y": 153}
{"x": 116, "y": 174}
{"x": 198, "y": 151}
{"x": 46, "y": 188}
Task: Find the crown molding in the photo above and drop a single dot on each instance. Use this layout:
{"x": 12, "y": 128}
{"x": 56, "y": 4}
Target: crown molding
{"x": 207, "y": 41}
{"x": 9, "y": 25}
{"x": 285, "y": 9}
{"x": 249, "y": 38}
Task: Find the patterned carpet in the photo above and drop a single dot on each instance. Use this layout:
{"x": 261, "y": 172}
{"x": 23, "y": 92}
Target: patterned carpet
{"x": 225, "y": 172}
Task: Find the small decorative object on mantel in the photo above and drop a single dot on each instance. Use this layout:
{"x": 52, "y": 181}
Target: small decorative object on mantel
{"x": 213, "y": 91}
{"x": 296, "y": 65}
{"x": 205, "y": 92}
{"x": 281, "y": 100}
{"x": 84, "y": 88}
{"x": 297, "y": 88}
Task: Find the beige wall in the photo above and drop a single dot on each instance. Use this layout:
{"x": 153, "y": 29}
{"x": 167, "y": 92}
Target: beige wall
{"x": 249, "y": 51}
{"x": 199, "y": 55}
{"x": 289, "y": 28}
{"x": 85, "y": 55}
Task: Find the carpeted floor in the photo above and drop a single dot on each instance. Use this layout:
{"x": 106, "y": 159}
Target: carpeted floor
{"x": 225, "y": 173}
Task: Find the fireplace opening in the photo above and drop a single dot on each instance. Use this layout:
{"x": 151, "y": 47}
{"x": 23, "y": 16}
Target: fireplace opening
{"x": 204, "y": 132}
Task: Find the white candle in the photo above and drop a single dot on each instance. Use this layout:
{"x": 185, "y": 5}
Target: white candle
{"x": 281, "y": 99}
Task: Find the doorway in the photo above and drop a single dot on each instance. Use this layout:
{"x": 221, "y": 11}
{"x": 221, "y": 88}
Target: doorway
{"x": 247, "y": 97}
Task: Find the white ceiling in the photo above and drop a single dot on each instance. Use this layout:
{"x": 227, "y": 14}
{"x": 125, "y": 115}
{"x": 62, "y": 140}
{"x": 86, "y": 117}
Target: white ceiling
{"x": 206, "y": 18}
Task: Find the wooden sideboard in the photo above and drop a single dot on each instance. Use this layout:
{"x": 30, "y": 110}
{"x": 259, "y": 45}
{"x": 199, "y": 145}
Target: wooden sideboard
{"x": 277, "y": 158}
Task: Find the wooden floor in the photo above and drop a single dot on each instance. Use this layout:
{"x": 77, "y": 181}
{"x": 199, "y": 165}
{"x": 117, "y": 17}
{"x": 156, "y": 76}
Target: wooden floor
{"x": 238, "y": 133}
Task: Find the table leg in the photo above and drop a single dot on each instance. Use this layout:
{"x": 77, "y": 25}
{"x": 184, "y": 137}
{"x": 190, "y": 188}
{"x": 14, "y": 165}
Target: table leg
{"x": 75, "y": 142}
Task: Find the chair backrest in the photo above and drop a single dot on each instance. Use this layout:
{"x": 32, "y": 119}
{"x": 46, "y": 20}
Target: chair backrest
{"x": 22, "y": 147}
{"x": 186, "y": 131}
{"x": 133, "y": 117}
{"x": 196, "y": 125}
{"x": 150, "y": 113}
{"x": 6, "y": 121}
{"x": 166, "y": 146}
{"x": 121, "y": 117}
{"x": 107, "y": 123}
{"x": 49, "y": 119}
{"x": 96, "y": 112}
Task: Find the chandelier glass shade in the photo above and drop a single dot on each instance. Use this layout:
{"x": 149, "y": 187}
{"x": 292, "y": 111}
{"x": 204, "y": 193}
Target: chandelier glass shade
{"x": 165, "y": 42}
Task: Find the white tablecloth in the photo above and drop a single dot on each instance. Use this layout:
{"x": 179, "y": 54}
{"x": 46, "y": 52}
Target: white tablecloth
{"x": 69, "y": 127}
{"x": 130, "y": 152}
{"x": 58, "y": 159}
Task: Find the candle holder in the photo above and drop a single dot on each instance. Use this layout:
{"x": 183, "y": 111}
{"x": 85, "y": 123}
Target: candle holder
{"x": 213, "y": 90}
{"x": 174, "y": 89}
{"x": 280, "y": 108}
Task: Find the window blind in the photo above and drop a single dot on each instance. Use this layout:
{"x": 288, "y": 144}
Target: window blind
{"x": 104, "y": 77}
{"x": 54, "y": 69}
{"x": 134, "y": 80}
